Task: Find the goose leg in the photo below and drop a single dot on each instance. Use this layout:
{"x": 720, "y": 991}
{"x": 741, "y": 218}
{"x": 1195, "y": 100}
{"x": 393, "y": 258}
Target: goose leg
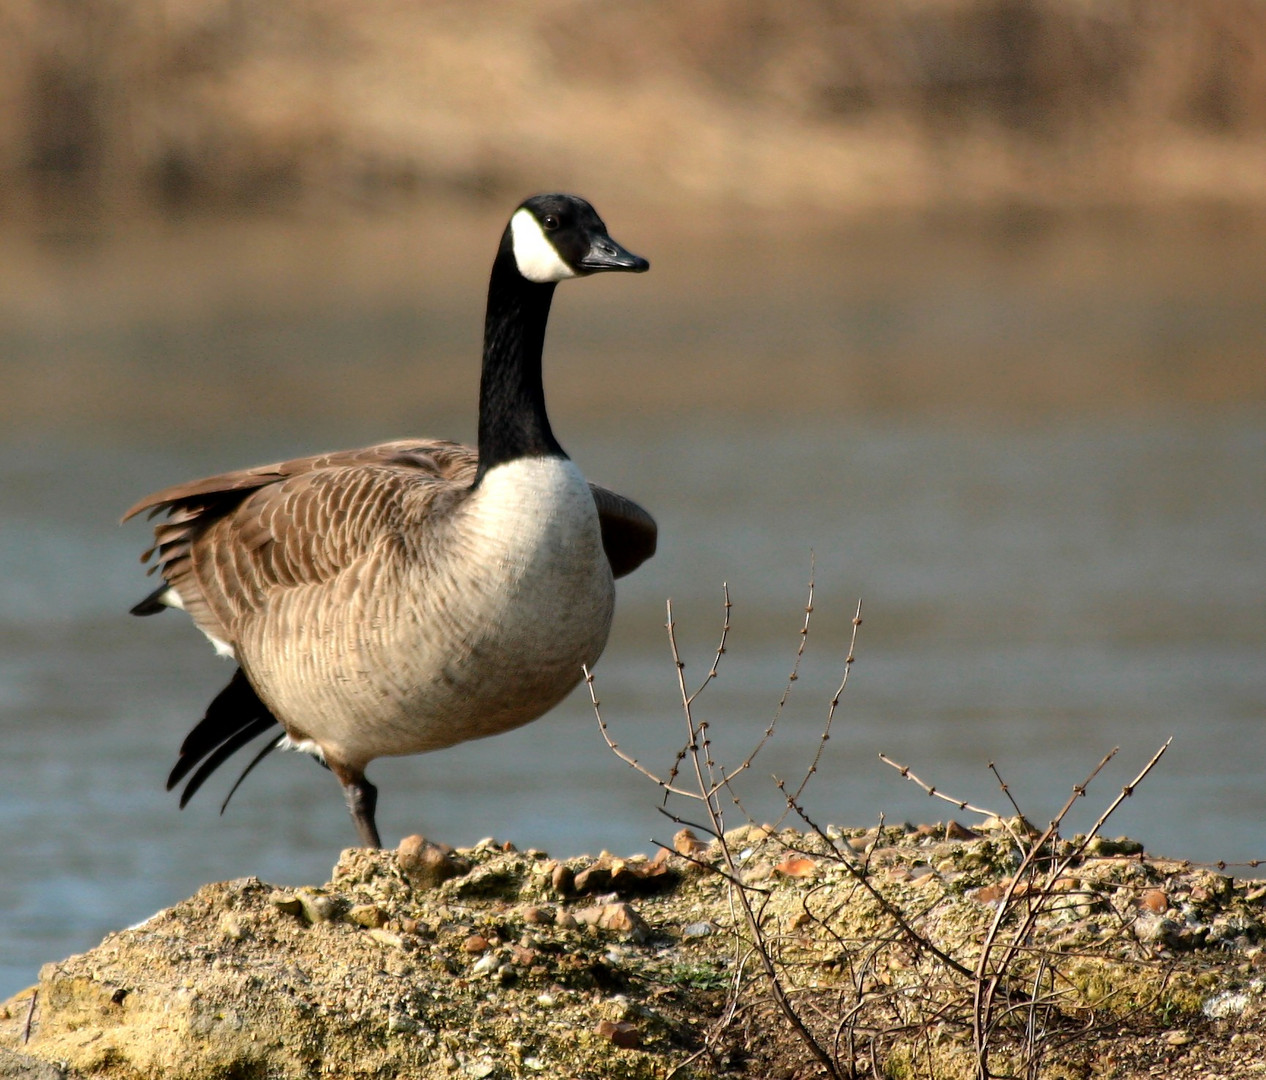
{"x": 362, "y": 800}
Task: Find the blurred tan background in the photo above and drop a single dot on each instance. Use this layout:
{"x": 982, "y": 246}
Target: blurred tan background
{"x": 176, "y": 163}
{"x": 809, "y": 108}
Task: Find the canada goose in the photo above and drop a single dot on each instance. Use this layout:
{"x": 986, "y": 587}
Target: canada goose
{"x": 415, "y": 594}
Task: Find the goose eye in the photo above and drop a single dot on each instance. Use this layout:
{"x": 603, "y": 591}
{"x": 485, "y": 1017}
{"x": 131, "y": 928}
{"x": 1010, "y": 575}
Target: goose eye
{"x": 550, "y": 221}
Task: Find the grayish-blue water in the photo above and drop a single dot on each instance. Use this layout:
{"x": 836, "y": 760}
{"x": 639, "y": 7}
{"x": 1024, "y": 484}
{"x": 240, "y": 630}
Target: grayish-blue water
{"x": 1033, "y": 594}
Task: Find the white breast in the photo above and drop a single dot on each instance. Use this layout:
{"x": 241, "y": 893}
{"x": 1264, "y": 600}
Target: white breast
{"x": 534, "y": 567}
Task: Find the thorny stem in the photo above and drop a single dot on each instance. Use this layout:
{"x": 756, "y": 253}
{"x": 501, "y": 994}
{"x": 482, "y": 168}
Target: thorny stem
{"x": 962, "y": 804}
{"x": 1006, "y": 790}
{"x": 987, "y": 982}
{"x": 739, "y": 890}
{"x": 861, "y": 875}
{"x": 830, "y": 712}
{"x": 993, "y": 971}
{"x": 30, "y": 1016}
{"x": 628, "y": 759}
{"x": 791, "y": 678}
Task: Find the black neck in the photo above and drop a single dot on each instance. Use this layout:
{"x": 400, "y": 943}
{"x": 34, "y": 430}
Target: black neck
{"x": 512, "y": 418}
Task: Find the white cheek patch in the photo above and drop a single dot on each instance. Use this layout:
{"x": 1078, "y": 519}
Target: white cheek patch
{"x": 533, "y": 253}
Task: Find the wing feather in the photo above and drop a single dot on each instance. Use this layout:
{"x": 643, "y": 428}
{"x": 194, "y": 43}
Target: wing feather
{"x": 228, "y": 541}
{"x": 629, "y": 533}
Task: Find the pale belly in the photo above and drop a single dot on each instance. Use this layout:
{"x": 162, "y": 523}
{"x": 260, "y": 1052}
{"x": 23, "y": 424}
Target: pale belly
{"x": 483, "y": 627}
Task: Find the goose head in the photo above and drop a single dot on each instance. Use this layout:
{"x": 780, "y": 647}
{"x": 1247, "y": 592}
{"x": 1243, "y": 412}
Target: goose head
{"x": 555, "y": 237}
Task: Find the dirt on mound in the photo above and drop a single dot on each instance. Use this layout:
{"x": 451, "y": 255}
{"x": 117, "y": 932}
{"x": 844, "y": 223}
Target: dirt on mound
{"x": 491, "y": 962}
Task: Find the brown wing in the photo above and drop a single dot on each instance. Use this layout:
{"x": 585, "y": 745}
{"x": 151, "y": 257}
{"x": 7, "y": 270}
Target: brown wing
{"x": 228, "y": 540}
{"x": 629, "y": 533}
{"x": 449, "y": 460}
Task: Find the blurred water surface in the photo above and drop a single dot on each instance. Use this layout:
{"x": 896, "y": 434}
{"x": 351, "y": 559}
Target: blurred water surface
{"x": 1051, "y": 565}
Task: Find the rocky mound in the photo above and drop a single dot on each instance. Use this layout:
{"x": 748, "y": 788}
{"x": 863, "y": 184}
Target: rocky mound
{"x": 491, "y": 962}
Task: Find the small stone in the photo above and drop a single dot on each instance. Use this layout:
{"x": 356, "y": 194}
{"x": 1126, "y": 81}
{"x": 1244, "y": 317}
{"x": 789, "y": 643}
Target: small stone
{"x": 798, "y": 920}
{"x": 538, "y": 916}
{"x": 622, "y": 1034}
{"x": 698, "y": 930}
{"x": 401, "y": 1024}
{"x": 426, "y": 864}
{"x": 955, "y": 831}
{"x": 685, "y": 842}
{"x": 231, "y": 927}
{"x": 476, "y": 943}
{"x": 487, "y": 964}
{"x": 523, "y": 956}
{"x": 370, "y": 916}
{"x": 618, "y": 917}
{"x": 925, "y": 877}
{"x": 318, "y": 906}
{"x": 595, "y": 878}
{"x": 1177, "y": 1038}
{"x": 565, "y": 920}
{"x": 1154, "y": 900}
{"x": 287, "y": 902}
{"x": 385, "y": 937}
{"x": 989, "y": 894}
{"x": 563, "y": 879}
{"x": 797, "y": 867}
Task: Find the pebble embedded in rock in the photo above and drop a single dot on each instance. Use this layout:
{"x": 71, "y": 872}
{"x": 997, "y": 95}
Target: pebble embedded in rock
{"x": 686, "y": 843}
{"x": 385, "y": 937}
{"x": 318, "y": 906}
{"x": 622, "y": 1034}
{"x": 618, "y": 917}
{"x": 487, "y": 964}
{"x": 401, "y": 1024}
{"x": 563, "y": 879}
{"x": 427, "y": 864}
{"x": 287, "y": 902}
{"x": 370, "y": 916}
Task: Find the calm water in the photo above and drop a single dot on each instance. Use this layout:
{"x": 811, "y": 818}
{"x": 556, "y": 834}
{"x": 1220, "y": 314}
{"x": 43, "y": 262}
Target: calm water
{"x": 1034, "y": 594}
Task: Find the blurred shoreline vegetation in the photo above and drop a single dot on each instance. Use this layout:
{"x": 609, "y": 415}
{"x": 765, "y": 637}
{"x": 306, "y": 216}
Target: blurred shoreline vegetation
{"x": 284, "y": 209}
{"x": 119, "y": 110}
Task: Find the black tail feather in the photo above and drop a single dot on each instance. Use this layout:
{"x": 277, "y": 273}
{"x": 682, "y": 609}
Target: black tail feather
{"x": 151, "y": 605}
{"x": 233, "y": 718}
